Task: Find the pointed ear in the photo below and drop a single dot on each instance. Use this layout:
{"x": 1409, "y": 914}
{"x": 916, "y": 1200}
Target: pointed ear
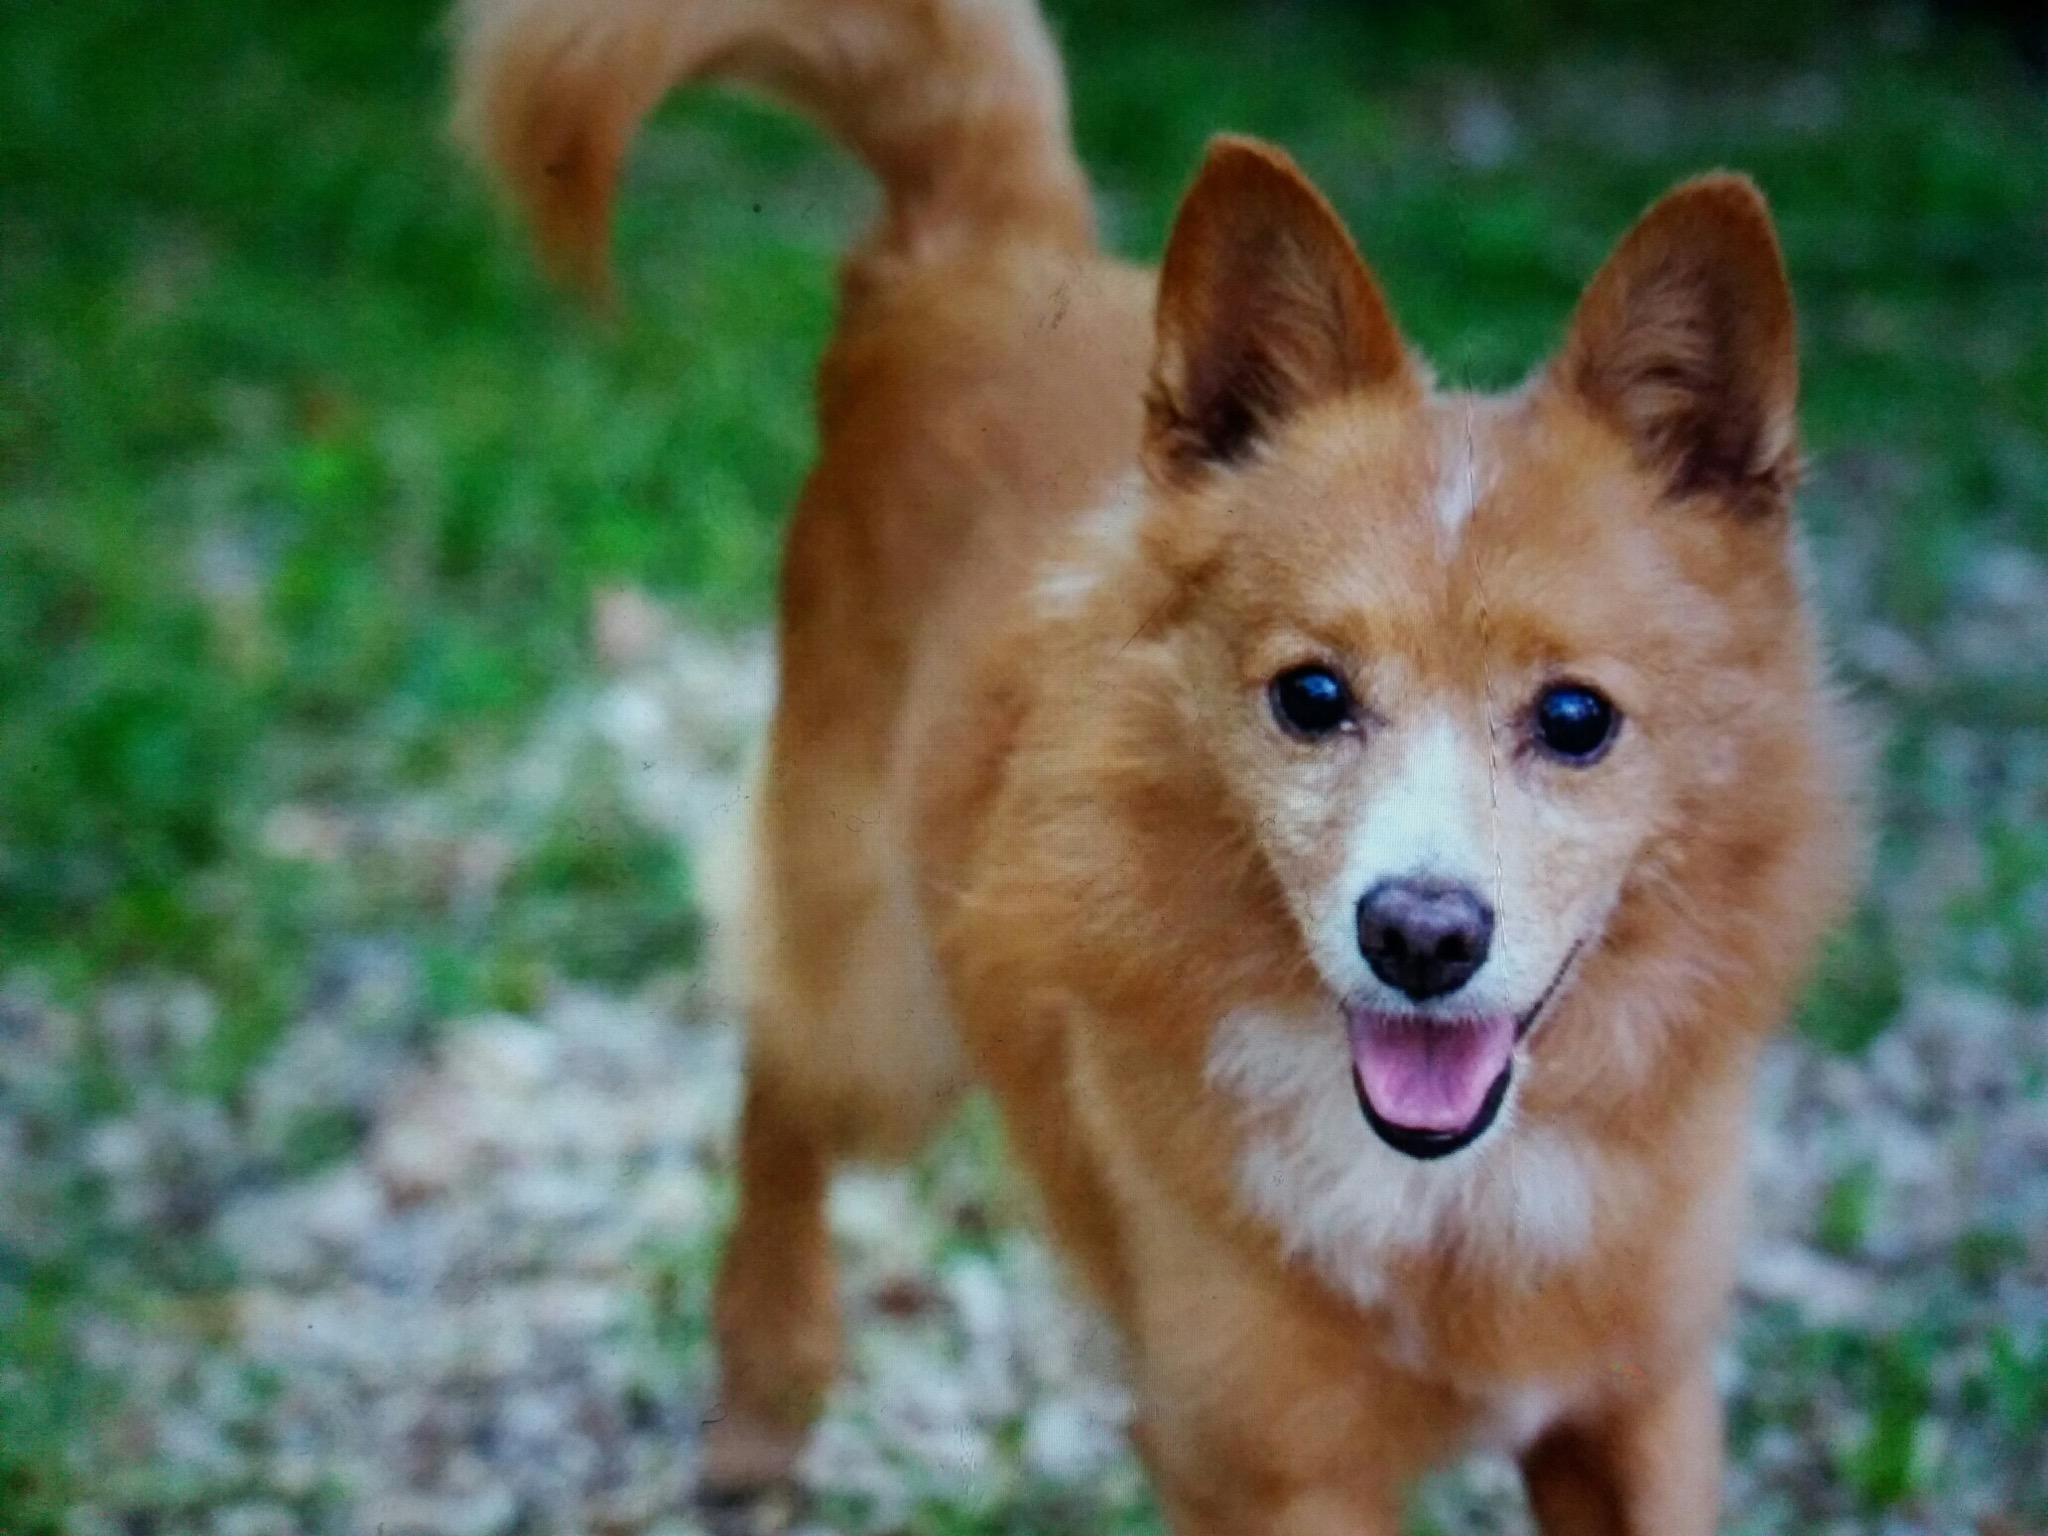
{"x": 1685, "y": 342}
{"x": 1264, "y": 309}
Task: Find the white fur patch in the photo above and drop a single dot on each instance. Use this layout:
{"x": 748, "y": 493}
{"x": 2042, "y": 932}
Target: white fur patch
{"x": 1517, "y": 1417}
{"x": 1099, "y": 544}
{"x": 1340, "y": 1199}
{"x": 1434, "y": 815}
{"x": 1460, "y": 481}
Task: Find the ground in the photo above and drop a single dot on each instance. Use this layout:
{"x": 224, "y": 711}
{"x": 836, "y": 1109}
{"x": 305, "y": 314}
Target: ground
{"x": 378, "y": 638}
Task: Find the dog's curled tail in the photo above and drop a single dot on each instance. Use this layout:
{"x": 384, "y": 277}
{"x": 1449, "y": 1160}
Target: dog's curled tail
{"x": 959, "y": 107}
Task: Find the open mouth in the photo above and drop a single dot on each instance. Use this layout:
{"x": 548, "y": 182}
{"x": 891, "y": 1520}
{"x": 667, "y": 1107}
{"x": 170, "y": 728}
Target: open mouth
{"x": 1433, "y": 1086}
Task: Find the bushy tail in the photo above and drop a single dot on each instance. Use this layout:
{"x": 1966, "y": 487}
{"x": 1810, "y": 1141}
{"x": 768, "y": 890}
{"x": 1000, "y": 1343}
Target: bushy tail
{"x": 959, "y": 107}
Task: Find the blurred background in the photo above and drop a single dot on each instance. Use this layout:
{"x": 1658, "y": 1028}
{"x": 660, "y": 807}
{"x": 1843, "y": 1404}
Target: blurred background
{"x": 378, "y": 638}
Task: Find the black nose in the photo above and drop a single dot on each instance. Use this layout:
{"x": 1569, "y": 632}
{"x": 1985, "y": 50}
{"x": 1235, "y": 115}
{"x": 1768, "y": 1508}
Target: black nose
{"x": 1424, "y": 937}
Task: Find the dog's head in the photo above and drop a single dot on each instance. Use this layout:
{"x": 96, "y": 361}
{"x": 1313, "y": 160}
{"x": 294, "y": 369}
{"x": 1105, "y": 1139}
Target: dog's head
{"x": 1478, "y": 674}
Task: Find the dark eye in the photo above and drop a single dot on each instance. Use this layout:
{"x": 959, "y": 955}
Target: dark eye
{"x": 1575, "y": 724}
{"x": 1311, "y": 701}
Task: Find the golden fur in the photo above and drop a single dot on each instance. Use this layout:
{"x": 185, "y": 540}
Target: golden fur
{"x": 1027, "y": 820}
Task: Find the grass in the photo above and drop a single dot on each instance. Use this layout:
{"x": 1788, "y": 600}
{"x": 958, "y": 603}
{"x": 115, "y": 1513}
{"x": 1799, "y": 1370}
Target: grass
{"x": 306, "y": 483}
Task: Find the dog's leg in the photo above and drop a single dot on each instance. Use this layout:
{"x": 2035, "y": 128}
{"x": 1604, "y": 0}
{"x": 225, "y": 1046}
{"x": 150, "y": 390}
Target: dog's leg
{"x": 1261, "y": 1409}
{"x": 1275, "y": 1512}
{"x": 850, "y": 1056}
{"x": 1233, "y": 1476}
{"x": 776, "y": 1313}
{"x": 1646, "y": 1468}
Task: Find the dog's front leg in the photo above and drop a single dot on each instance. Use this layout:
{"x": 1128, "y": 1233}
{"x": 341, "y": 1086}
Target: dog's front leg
{"x": 1275, "y": 1512}
{"x": 1647, "y": 1467}
{"x": 1234, "y": 1481}
{"x": 1261, "y": 1413}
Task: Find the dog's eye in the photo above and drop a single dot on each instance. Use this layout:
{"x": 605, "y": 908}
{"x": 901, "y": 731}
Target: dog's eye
{"x": 1311, "y": 702}
{"x": 1575, "y": 724}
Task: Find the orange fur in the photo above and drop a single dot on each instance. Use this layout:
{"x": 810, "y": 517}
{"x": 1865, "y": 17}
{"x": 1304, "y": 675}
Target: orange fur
{"x": 1027, "y": 818}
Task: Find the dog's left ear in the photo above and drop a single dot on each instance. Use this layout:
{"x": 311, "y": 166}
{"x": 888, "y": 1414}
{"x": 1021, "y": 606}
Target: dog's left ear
{"x": 1685, "y": 342}
{"x": 1265, "y": 309}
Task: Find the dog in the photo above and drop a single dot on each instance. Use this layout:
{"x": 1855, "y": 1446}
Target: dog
{"x": 1362, "y": 833}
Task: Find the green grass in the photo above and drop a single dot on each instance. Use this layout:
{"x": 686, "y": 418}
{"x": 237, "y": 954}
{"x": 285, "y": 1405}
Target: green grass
{"x": 306, "y": 482}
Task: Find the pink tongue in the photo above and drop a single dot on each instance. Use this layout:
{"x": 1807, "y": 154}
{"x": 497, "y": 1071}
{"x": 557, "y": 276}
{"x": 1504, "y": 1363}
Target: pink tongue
{"x": 1429, "y": 1075}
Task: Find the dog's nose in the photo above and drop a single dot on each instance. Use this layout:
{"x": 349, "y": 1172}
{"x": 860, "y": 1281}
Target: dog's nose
{"x": 1424, "y": 937}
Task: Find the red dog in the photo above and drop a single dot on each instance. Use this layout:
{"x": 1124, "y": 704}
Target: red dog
{"x": 1361, "y": 833}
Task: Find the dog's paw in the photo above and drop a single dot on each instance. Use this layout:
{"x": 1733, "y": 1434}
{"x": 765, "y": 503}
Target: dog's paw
{"x": 767, "y": 1510}
{"x": 748, "y": 1483}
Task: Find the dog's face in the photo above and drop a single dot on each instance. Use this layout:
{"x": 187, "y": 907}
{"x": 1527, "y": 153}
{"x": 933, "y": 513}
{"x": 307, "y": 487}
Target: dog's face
{"x": 1468, "y": 666}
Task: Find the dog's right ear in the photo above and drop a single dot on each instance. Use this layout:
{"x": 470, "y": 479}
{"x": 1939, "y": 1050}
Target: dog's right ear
{"x": 1265, "y": 308}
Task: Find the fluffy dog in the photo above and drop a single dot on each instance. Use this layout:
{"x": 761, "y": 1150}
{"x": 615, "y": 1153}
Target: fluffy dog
{"x": 1362, "y": 833}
